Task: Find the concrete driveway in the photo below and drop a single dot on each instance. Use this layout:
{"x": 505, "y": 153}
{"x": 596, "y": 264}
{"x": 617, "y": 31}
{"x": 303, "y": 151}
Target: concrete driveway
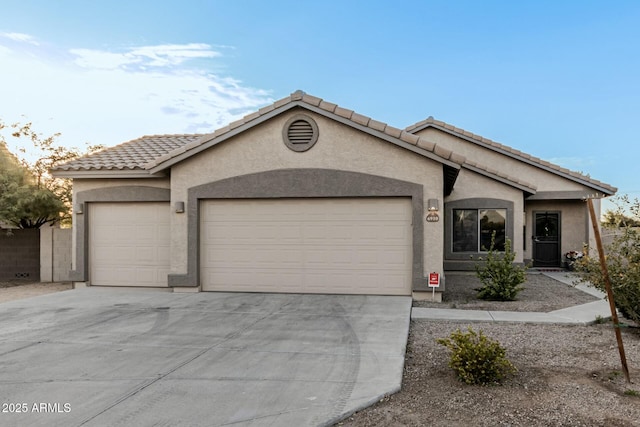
{"x": 97, "y": 357}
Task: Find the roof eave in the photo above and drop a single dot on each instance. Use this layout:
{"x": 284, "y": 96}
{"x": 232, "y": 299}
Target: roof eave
{"x": 383, "y": 136}
{"x": 107, "y": 173}
{"x": 567, "y": 195}
{"x": 609, "y": 191}
{"x": 214, "y": 140}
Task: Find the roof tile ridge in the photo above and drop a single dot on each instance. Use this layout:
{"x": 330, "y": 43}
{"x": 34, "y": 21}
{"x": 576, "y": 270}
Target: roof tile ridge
{"x": 164, "y": 135}
{"x": 366, "y": 121}
{"x": 376, "y": 125}
{"x": 513, "y": 151}
{"x": 310, "y": 99}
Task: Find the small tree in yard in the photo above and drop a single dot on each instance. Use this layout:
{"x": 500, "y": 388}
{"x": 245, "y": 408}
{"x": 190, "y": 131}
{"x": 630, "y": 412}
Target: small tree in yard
{"x": 623, "y": 263}
{"x": 29, "y": 196}
{"x": 500, "y": 277}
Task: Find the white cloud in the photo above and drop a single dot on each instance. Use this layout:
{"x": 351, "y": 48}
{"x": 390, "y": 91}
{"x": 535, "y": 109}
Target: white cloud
{"x": 144, "y": 56}
{"x": 20, "y": 37}
{"x": 172, "y": 54}
{"x": 88, "y": 58}
{"x": 107, "y": 97}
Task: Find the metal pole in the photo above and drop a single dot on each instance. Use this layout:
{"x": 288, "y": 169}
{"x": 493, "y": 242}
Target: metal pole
{"x": 607, "y": 284}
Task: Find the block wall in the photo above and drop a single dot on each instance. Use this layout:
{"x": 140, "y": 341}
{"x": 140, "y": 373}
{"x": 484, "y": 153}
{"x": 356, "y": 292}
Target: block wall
{"x": 20, "y": 255}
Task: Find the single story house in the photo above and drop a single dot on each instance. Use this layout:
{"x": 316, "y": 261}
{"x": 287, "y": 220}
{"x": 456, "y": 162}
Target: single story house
{"x": 304, "y": 196}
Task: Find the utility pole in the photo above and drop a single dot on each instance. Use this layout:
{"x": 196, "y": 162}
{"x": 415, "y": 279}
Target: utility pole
{"x": 607, "y": 283}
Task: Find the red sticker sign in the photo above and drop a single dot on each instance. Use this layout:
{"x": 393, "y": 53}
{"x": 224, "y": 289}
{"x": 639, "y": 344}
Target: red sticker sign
{"x": 434, "y": 280}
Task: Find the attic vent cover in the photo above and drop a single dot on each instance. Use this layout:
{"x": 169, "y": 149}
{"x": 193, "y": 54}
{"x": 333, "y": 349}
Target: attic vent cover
{"x": 300, "y": 133}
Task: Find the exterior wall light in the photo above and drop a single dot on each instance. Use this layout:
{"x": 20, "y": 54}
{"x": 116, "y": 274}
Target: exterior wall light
{"x": 79, "y": 209}
{"x": 179, "y": 207}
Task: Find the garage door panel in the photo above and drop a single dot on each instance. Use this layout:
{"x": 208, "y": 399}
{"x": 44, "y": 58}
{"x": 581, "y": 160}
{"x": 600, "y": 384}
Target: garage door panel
{"x": 284, "y": 257}
{"x": 104, "y": 234}
{"x": 146, "y": 255}
{"x": 129, "y": 244}
{"x": 324, "y": 259}
{"x": 147, "y": 233}
{"x": 150, "y": 276}
{"x": 145, "y": 275}
{"x": 239, "y": 256}
{"x": 395, "y": 257}
{"x": 259, "y": 279}
{"x": 164, "y": 255}
{"x": 109, "y": 256}
{"x": 307, "y": 245}
{"x": 101, "y": 274}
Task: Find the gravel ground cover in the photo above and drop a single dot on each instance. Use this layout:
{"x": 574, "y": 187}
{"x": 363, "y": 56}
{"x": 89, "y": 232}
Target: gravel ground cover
{"x": 567, "y": 375}
{"x": 541, "y": 293}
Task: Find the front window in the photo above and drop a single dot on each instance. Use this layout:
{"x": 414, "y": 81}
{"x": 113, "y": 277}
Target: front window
{"x": 472, "y": 229}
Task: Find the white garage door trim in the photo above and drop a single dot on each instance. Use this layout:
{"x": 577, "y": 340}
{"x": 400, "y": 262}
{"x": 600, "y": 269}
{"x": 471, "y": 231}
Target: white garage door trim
{"x": 129, "y": 244}
{"x": 324, "y": 245}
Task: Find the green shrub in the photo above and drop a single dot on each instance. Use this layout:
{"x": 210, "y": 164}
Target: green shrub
{"x": 500, "y": 277}
{"x": 477, "y": 359}
{"x": 623, "y": 264}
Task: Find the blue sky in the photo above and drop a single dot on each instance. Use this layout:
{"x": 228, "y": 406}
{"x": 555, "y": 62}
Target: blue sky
{"x": 557, "y": 79}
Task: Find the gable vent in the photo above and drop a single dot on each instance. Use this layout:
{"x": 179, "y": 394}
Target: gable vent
{"x": 300, "y": 133}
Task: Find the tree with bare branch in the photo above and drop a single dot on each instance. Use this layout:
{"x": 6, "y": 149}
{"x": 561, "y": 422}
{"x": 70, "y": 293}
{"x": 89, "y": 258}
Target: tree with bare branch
{"x": 29, "y": 195}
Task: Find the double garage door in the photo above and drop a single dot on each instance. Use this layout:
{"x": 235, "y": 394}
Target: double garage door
{"x": 346, "y": 246}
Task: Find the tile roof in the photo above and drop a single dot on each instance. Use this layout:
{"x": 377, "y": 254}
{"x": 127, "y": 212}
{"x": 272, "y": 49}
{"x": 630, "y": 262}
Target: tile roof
{"x": 152, "y": 154}
{"x": 299, "y": 98}
{"x": 496, "y": 146}
{"x": 131, "y": 155}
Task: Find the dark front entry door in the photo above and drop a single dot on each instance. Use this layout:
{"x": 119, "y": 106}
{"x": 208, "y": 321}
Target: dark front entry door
{"x": 546, "y": 239}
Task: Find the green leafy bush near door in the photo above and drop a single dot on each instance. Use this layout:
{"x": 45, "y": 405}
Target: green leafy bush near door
{"x": 500, "y": 277}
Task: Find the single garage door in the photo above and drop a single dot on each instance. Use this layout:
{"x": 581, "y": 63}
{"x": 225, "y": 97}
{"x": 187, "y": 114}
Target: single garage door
{"x": 344, "y": 246}
{"x": 129, "y": 244}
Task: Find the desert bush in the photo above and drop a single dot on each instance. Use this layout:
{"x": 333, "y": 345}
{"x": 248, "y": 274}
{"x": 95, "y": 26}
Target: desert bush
{"x": 500, "y": 277}
{"x": 623, "y": 264}
{"x": 477, "y": 359}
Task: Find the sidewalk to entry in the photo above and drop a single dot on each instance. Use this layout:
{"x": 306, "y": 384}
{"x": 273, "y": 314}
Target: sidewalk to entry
{"x": 583, "y": 314}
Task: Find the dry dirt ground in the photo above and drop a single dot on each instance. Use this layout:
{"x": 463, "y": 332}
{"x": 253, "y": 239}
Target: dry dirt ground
{"x": 17, "y": 289}
{"x": 567, "y": 375}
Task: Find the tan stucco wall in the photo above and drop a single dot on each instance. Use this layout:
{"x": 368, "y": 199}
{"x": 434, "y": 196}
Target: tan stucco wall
{"x": 543, "y": 180}
{"x": 339, "y": 147}
{"x": 575, "y": 227}
{"x": 55, "y": 254}
{"x": 471, "y": 185}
